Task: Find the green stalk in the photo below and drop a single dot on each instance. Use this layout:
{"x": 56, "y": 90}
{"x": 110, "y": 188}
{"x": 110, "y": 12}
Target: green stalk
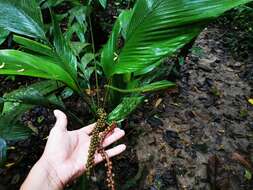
{"x": 94, "y": 59}
{"x": 107, "y": 92}
{"x": 90, "y": 103}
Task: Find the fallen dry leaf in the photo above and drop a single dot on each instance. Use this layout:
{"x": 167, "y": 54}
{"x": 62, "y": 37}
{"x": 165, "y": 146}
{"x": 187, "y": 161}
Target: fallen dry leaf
{"x": 250, "y": 101}
{"x": 158, "y": 102}
{"x": 237, "y": 157}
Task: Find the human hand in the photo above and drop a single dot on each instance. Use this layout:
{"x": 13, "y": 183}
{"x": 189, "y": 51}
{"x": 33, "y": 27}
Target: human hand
{"x": 66, "y": 154}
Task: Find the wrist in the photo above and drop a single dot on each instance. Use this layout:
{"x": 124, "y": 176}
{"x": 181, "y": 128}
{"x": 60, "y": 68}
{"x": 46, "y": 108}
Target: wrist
{"x": 52, "y": 177}
{"x": 42, "y": 176}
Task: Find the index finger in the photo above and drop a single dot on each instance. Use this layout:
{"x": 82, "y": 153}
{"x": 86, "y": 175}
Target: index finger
{"x": 88, "y": 129}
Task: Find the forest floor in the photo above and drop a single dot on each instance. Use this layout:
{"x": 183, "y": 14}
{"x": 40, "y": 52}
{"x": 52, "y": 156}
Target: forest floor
{"x": 205, "y": 137}
{"x": 199, "y": 136}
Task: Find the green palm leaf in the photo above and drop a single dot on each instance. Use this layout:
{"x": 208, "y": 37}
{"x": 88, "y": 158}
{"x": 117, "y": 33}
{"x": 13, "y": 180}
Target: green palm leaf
{"x": 63, "y": 50}
{"x": 103, "y": 3}
{"x": 34, "y": 46}
{"x": 109, "y": 50}
{"x": 14, "y": 131}
{"x": 22, "y": 17}
{"x": 13, "y": 62}
{"x": 15, "y": 105}
{"x": 159, "y": 28}
{"x": 127, "y": 106}
{"x": 35, "y": 92}
{"x": 160, "y": 85}
{"x": 107, "y": 55}
{"x": 3, "y": 35}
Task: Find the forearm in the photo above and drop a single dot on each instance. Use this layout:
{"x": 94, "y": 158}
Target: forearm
{"x": 42, "y": 178}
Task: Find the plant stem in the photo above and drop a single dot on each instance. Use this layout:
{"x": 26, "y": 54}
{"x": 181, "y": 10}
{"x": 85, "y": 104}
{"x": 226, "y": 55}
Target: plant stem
{"x": 94, "y": 59}
{"x": 90, "y": 103}
{"x": 128, "y": 5}
{"x": 107, "y": 92}
{"x": 125, "y": 90}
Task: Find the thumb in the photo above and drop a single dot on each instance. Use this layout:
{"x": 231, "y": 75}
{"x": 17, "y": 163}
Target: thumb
{"x": 61, "y": 120}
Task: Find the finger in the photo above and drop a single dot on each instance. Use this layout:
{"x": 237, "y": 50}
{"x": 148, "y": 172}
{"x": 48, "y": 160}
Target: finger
{"x": 88, "y": 129}
{"x": 61, "y": 120}
{"x": 111, "y": 152}
{"x": 116, "y": 135}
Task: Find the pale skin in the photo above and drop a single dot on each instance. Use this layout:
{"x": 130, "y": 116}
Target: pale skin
{"x": 66, "y": 154}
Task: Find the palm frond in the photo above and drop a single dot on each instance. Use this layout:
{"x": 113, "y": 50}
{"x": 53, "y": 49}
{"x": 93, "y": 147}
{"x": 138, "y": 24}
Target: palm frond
{"x": 159, "y": 28}
{"x": 22, "y": 17}
{"x": 14, "y": 62}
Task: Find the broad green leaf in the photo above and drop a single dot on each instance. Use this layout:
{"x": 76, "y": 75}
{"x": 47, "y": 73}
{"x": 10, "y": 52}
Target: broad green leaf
{"x": 66, "y": 93}
{"x": 147, "y": 69}
{"x": 127, "y": 106}
{"x": 22, "y": 17}
{"x": 159, "y": 28}
{"x": 14, "y": 131}
{"x": 3, "y": 35}
{"x": 30, "y": 94}
{"x": 103, "y": 3}
{"x": 146, "y": 88}
{"x": 124, "y": 19}
{"x": 63, "y": 49}
{"x": 3, "y": 151}
{"x": 13, "y": 62}
{"x": 77, "y": 29}
{"x": 34, "y": 46}
{"x": 26, "y": 98}
{"x": 77, "y": 23}
{"x": 78, "y": 47}
{"x": 54, "y": 101}
{"x": 108, "y": 55}
{"x": 11, "y": 128}
{"x": 78, "y": 13}
{"x": 88, "y": 72}
{"x": 86, "y": 59}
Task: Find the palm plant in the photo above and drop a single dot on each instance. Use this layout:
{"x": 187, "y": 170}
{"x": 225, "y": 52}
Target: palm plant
{"x": 152, "y": 31}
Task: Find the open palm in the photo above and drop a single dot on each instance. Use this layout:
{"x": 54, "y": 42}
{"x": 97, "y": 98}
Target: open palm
{"x": 67, "y": 151}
